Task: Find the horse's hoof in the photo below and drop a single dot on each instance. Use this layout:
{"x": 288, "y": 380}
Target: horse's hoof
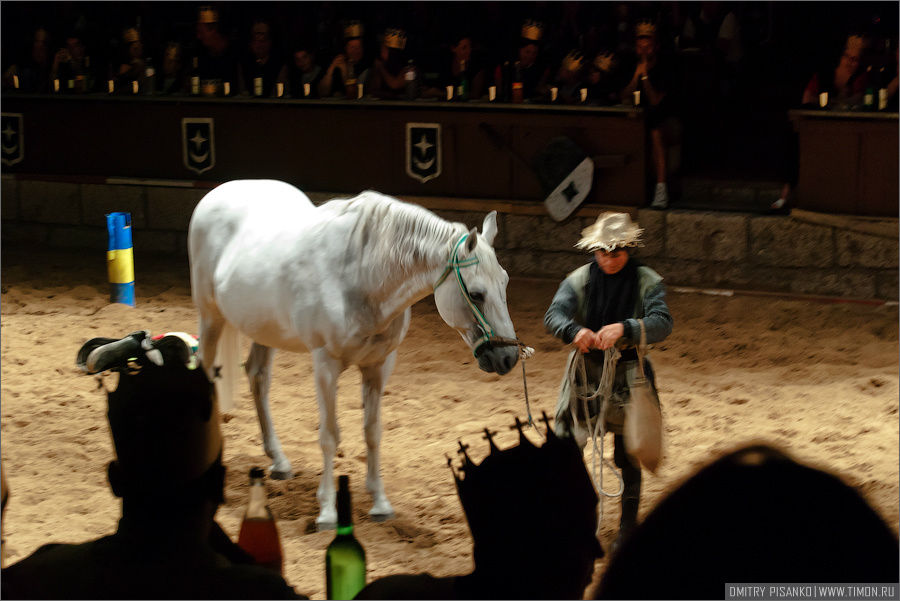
{"x": 382, "y": 517}
{"x": 281, "y": 474}
{"x": 323, "y": 526}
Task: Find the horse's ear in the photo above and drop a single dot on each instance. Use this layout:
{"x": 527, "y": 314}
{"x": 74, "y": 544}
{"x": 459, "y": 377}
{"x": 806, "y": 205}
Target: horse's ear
{"x": 489, "y": 228}
{"x": 472, "y": 240}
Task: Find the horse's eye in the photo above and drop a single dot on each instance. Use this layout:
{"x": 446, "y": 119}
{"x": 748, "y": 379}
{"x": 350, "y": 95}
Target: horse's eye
{"x": 478, "y": 297}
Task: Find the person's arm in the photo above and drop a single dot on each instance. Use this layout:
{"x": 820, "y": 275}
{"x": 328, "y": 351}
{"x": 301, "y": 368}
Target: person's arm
{"x": 560, "y": 316}
{"x": 657, "y": 319}
{"x": 639, "y": 72}
{"x": 393, "y": 82}
{"x": 811, "y": 92}
{"x": 326, "y": 84}
{"x": 654, "y": 95}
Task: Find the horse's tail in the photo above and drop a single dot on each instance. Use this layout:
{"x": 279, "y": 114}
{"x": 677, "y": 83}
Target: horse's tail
{"x": 228, "y": 356}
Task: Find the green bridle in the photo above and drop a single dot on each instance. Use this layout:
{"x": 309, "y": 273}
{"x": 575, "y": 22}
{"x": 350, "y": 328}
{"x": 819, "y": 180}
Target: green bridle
{"x": 455, "y": 264}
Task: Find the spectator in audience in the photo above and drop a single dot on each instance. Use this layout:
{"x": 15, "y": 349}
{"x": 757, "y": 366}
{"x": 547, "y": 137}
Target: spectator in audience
{"x": 304, "y": 73}
{"x": 532, "y": 512}
{"x": 597, "y": 306}
{"x": 218, "y": 63}
{"x": 33, "y": 74}
{"x": 569, "y": 82}
{"x": 173, "y": 79}
{"x": 168, "y": 471}
{"x": 653, "y": 79}
{"x": 530, "y": 67}
{"x": 132, "y": 64}
{"x": 460, "y": 64}
{"x": 752, "y": 516}
{"x": 603, "y": 81}
{"x": 263, "y": 69}
{"x": 844, "y": 83}
{"x": 388, "y": 79}
{"x": 72, "y": 67}
{"x": 349, "y": 68}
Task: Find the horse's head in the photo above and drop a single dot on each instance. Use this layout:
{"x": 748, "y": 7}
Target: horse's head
{"x": 471, "y": 298}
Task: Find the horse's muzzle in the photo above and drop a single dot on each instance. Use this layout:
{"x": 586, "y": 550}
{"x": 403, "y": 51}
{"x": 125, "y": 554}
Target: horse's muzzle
{"x": 499, "y": 356}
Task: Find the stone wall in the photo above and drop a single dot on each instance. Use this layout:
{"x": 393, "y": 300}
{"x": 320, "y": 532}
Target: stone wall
{"x": 689, "y": 248}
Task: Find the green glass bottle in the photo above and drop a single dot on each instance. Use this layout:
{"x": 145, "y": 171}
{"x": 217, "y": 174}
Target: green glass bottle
{"x": 345, "y": 559}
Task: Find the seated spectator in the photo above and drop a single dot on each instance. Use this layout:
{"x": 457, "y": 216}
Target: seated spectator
{"x": 173, "y": 79}
{"x": 532, "y": 512}
{"x": 569, "y": 81}
{"x": 33, "y": 74}
{"x": 603, "y": 82}
{"x": 530, "y": 68}
{"x": 168, "y": 471}
{"x": 752, "y": 516}
{"x": 305, "y": 72}
{"x": 844, "y": 83}
{"x": 349, "y": 68}
{"x": 388, "y": 79}
{"x": 72, "y": 67}
{"x": 217, "y": 62}
{"x": 652, "y": 78}
{"x": 263, "y": 69}
{"x": 461, "y": 69}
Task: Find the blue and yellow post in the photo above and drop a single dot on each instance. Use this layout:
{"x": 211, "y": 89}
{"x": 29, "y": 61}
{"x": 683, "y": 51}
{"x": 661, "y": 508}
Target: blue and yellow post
{"x": 120, "y": 259}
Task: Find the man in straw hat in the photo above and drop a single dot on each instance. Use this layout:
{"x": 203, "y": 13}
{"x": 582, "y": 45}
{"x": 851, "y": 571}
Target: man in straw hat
{"x": 168, "y": 471}
{"x": 599, "y": 306}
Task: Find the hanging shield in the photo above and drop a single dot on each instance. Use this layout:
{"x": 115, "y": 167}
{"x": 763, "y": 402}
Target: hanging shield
{"x": 423, "y": 151}
{"x": 13, "y": 140}
{"x": 570, "y": 192}
{"x": 198, "y": 144}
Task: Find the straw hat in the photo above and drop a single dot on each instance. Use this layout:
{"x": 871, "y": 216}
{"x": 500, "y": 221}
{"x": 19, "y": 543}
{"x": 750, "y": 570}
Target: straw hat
{"x": 610, "y": 231}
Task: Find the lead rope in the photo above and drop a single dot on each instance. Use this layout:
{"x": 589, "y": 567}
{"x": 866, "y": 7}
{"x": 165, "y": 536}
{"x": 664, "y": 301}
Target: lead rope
{"x": 603, "y": 392}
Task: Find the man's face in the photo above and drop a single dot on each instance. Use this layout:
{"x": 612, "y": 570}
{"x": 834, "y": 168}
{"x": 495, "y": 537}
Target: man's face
{"x": 645, "y": 46}
{"x": 612, "y": 261}
{"x": 303, "y": 60}
{"x": 463, "y": 50}
{"x": 354, "y": 50}
{"x": 261, "y": 43}
{"x": 850, "y": 59}
{"x": 528, "y": 54}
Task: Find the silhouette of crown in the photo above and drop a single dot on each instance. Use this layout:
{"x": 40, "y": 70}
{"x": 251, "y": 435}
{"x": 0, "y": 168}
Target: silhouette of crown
{"x": 527, "y": 490}
{"x": 354, "y": 29}
{"x": 207, "y": 14}
{"x": 573, "y": 61}
{"x": 645, "y": 29}
{"x": 131, "y": 35}
{"x": 532, "y": 30}
{"x": 855, "y": 42}
{"x": 604, "y": 61}
{"x": 395, "y": 38}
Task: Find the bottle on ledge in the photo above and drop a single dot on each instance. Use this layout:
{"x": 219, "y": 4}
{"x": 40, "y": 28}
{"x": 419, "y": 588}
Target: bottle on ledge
{"x": 149, "y": 83}
{"x": 345, "y": 559}
{"x": 462, "y": 83}
{"x": 259, "y": 534}
{"x": 518, "y": 86}
{"x": 195, "y": 76}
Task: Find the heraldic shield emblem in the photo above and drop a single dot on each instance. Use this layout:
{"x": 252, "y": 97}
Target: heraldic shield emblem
{"x": 13, "y": 141}
{"x": 198, "y": 144}
{"x": 423, "y": 151}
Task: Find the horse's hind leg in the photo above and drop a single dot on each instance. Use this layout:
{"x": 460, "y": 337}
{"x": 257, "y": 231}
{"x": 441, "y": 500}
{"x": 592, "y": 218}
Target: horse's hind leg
{"x": 327, "y": 370}
{"x": 210, "y": 329}
{"x": 259, "y": 371}
{"x": 373, "y": 380}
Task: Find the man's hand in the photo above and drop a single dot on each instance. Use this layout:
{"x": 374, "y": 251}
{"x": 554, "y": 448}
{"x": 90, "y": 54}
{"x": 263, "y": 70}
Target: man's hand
{"x": 584, "y": 340}
{"x": 608, "y": 334}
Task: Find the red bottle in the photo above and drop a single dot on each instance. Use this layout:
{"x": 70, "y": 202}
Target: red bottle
{"x": 259, "y": 534}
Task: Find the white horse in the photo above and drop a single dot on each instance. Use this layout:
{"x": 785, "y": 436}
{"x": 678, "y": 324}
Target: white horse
{"x": 338, "y": 280}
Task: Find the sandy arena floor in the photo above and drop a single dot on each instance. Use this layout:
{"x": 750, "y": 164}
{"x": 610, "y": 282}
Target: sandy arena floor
{"x": 820, "y": 380}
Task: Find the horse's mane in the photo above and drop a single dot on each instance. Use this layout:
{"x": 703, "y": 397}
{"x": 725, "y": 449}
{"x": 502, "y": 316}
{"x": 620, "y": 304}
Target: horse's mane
{"x": 388, "y": 231}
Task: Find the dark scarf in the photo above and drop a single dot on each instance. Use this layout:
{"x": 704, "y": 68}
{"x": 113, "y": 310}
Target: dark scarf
{"x": 611, "y": 298}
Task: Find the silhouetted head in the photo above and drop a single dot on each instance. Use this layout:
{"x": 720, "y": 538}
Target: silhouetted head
{"x": 753, "y": 516}
{"x": 533, "y": 516}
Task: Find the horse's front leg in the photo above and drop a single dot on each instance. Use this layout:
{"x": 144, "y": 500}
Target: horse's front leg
{"x": 374, "y": 377}
{"x": 327, "y": 370}
{"x": 259, "y": 371}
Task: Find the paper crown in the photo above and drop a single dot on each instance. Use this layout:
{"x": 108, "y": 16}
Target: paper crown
{"x": 131, "y": 35}
{"x": 573, "y": 61}
{"x": 855, "y": 42}
{"x": 207, "y": 14}
{"x": 546, "y": 488}
{"x": 604, "y": 61}
{"x": 532, "y": 30}
{"x": 395, "y": 38}
{"x": 645, "y": 29}
{"x": 354, "y": 29}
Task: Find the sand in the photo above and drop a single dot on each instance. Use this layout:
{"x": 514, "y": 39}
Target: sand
{"x": 820, "y": 380}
